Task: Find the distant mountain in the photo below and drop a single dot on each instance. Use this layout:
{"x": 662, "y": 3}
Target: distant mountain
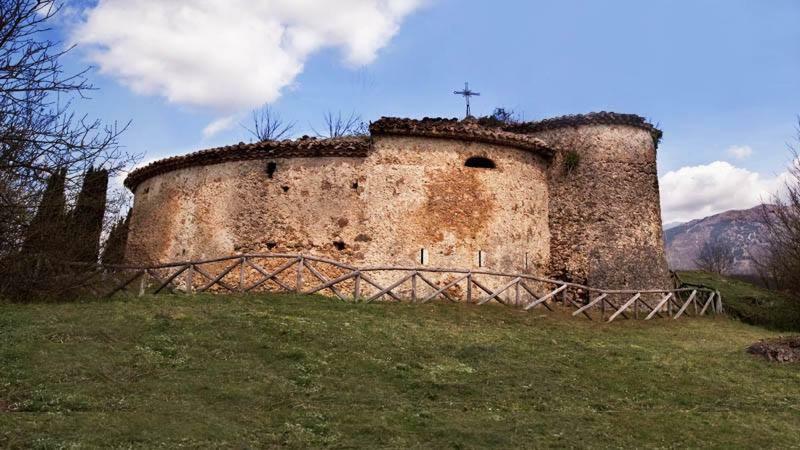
{"x": 671, "y": 225}
{"x": 743, "y": 229}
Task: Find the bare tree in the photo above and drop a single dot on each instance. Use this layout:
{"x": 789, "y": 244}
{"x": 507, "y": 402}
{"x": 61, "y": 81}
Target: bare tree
{"x": 782, "y": 261}
{"x": 268, "y": 125}
{"x": 715, "y": 256}
{"x": 40, "y": 135}
{"x": 339, "y": 126}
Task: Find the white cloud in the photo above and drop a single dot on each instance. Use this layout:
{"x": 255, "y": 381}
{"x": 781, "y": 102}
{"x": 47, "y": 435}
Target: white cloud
{"x": 218, "y": 125}
{"x": 699, "y": 191}
{"x": 230, "y": 55}
{"x": 740, "y": 151}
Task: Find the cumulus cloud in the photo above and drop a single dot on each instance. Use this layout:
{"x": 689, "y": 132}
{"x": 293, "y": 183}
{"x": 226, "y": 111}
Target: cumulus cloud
{"x": 230, "y": 55}
{"x": 740, "y": 151}
{"x": 699, "y": 191}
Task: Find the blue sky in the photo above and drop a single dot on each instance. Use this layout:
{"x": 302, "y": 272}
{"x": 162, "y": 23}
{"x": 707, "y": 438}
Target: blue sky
{"x": 714, "y": 74}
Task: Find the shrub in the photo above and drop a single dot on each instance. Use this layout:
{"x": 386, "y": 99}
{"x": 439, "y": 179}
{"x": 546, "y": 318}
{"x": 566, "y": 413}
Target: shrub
{"x": 571, "y": 161}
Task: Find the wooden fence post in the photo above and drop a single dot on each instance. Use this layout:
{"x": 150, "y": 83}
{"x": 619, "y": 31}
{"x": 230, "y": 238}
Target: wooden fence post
{"x": 469, "y": 287}
{"x": 299, "y": 280}
{"x": 142, "y": 283}
{"x": 669, "y": 303}
{"x": 603, "y": 310}
{"x": 357, "y": 287}
{"x": 414, "y": 287}
{"x": 190, "y": 280}
{"x": 241, "y": 274}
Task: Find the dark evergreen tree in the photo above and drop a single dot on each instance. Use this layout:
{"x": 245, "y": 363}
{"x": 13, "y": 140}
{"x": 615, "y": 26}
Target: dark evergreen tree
{"x": 86, "y": 219}
{"x": 46, "y": 234}
{"x": 114, "y": 251}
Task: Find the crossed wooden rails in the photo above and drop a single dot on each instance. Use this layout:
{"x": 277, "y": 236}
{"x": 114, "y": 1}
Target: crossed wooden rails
{"x": 361, "y": 285}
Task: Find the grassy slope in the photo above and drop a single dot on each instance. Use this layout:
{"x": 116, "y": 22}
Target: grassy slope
{"x": 750, "y": 303}
{"x": 300, "y": 371}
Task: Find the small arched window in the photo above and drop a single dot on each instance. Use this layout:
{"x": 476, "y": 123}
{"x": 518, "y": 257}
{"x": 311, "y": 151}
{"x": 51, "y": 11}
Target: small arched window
{"x": 479, "y": 162}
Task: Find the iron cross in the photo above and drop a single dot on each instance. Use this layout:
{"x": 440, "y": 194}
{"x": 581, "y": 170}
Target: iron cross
{"x": 466, "y": 93}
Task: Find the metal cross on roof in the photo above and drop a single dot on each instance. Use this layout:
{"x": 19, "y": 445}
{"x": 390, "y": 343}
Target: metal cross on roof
{"x": 466, "y": 93}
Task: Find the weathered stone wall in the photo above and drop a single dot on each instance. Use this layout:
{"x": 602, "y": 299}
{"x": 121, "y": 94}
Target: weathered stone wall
{"x": 605, "y": 216}
{"x": 306, "y": 205}
{"x": 409, "y": 193}
{"x": 175, "y": 215}
{"x": 381, "y": 200}
{"x": 420, "y": 195}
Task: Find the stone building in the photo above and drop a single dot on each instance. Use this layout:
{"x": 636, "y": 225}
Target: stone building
{"x": 574, "y": 198}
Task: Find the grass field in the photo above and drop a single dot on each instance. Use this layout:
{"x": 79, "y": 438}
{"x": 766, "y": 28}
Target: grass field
{"x": 311, "y": 372}
{"x": 750, "y": 303}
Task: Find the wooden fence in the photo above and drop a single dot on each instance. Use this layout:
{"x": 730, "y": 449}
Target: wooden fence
{"x": 315, "y": 275}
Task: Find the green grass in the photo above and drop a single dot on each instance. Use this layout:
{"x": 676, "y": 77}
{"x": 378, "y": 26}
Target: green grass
{"x": 301, "y": 372}
{"x": 750, "y": 303}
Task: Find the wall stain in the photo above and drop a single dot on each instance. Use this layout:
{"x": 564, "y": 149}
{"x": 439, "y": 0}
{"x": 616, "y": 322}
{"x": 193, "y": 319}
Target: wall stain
{"x": 456, "y": 201}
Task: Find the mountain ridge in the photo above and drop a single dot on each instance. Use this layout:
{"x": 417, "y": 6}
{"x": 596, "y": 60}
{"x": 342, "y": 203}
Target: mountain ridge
{"x": 744, "y": 230}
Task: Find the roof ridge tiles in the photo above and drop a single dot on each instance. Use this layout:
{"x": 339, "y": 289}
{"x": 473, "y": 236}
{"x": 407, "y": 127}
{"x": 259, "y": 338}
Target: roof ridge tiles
{"x": 593, "y": 118}
{"x": 467, "y": 129}
{"x": 516, "y": 135}
{"x": 351, "y": 146}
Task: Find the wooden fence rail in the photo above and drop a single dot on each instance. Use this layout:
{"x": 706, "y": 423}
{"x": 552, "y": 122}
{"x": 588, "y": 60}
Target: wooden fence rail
{"x": 306, "y": 274}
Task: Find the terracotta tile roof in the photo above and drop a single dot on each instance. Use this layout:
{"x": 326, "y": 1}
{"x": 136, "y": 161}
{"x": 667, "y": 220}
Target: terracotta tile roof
{"x": 467, "y": 129}
{"x": 303, "y": 147}
{"x": 596, "y": 118}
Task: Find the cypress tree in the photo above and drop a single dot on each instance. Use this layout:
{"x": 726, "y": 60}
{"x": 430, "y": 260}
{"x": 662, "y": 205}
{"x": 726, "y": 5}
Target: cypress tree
{"x": 86, "y": 220}
{"x": 114, "y": 251}
{"x": 46, "y": 234}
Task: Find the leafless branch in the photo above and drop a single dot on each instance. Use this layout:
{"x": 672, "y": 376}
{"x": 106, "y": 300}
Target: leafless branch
{"x": 39, "y": 132}
{"x": 267, "y": 125}
{"x": 339, "y": 126}
{"x": 716, "y": 256}
{"x": 782, "y": 261}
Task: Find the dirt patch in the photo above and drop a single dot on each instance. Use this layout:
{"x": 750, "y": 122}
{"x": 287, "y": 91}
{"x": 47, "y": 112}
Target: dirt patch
{"x": 783, "y": 349}
{"x": 5, "y": 406}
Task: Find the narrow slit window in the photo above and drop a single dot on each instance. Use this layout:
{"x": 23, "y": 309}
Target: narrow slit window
{"x": 423, "y": 256}
{"x": 479, "y": 162}
{"x": 481, "y": 258}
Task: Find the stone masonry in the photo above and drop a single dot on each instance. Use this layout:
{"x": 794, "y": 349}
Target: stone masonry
{"x": 444, "y": 188}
